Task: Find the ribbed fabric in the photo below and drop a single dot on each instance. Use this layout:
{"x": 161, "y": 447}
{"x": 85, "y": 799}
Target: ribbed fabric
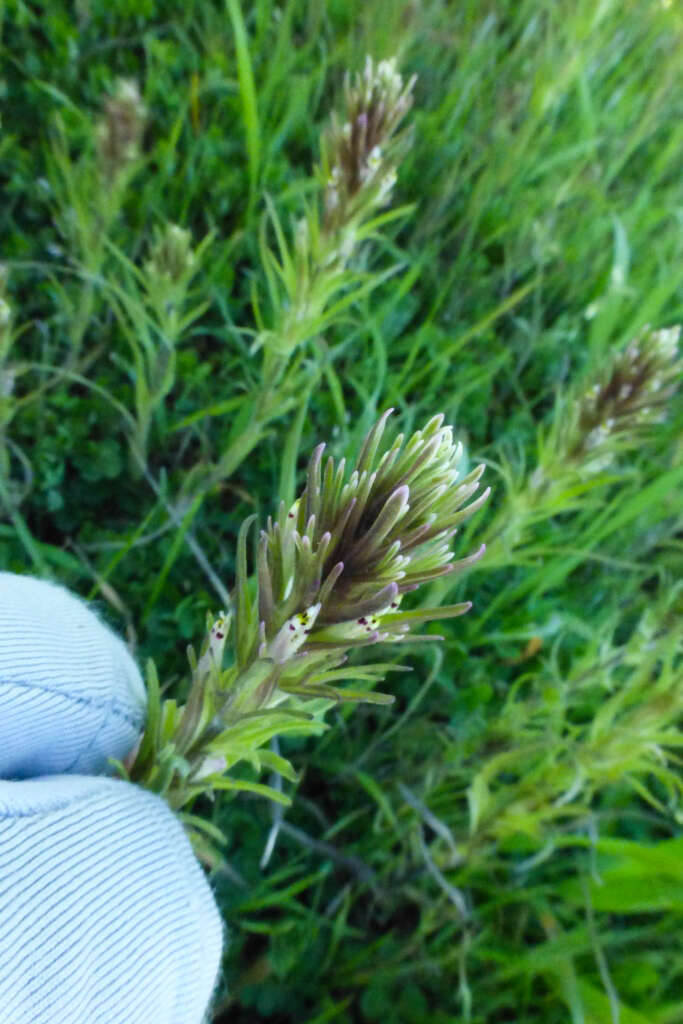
{"x": 105, "y": 914}
{"x": 70, "y": 694}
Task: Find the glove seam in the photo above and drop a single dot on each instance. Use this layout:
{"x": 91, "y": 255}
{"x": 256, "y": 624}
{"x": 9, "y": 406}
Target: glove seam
{"x": 99, "y": 704}
{"x": 63, "y": 804}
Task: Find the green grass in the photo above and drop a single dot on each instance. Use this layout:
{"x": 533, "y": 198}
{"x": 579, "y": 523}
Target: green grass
{"x": 501, "y": 844}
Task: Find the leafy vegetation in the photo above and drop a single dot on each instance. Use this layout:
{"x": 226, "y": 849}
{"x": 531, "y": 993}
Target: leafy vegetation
{"x": 186, "y": 314}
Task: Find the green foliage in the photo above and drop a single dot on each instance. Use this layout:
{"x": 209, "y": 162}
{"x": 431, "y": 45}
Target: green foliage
{"x": 181, "y": 322}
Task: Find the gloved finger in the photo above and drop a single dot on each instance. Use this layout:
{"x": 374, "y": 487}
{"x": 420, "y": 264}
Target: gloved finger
{"x": 71, "y": 695}
{"x": 106, "y": 916}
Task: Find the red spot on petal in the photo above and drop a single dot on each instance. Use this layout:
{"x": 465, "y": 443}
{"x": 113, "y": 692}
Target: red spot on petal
{"x": 219, "y": 636}
{"x": 293, "y": 628}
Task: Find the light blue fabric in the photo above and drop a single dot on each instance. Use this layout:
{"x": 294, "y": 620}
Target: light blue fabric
{"x": 106, "y": 916}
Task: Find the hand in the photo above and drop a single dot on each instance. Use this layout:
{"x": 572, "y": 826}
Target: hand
{"x": 106, "y": 916}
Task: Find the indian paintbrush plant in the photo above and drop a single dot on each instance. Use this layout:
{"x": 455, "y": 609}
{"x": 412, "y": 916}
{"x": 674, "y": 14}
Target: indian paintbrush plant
{"x": 331, "y": 573}
{"x": 361, "y": 155}
{"x": 593, "y": 424}
{"x": 120, "y": 129}
{"x": 630, "y": 399}
{"x": 357, "y": 174}
{"x": 612, "y": 412}
{"x": 314, "y": 278}
{"x": 154, "y": 307}
{"x": 88, "y": 187}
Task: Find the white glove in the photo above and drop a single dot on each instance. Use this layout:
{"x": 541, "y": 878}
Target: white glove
{"x": 106, "y": 916}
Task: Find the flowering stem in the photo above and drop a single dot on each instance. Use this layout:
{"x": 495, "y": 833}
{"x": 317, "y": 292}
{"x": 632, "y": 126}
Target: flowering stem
{"x": 331, "y": 574}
